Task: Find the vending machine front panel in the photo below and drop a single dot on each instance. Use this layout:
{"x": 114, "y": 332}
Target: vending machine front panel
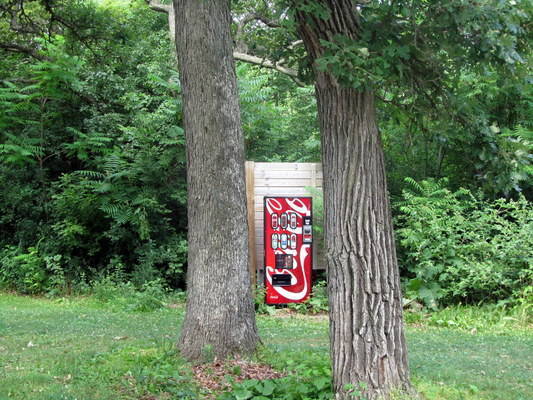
{"x": 288, "y": 249}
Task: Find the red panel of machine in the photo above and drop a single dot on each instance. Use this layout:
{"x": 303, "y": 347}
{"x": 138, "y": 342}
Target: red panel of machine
{"x": 288, "y": 249}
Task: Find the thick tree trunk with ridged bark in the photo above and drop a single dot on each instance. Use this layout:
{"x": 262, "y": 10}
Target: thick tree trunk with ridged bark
{"x": 220, "y": 317}
{"x": 368, "y": 347}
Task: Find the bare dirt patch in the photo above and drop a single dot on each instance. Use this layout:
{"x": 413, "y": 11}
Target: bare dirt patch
{"x": 216, "y": 376}
{"x": 288, "y": 313}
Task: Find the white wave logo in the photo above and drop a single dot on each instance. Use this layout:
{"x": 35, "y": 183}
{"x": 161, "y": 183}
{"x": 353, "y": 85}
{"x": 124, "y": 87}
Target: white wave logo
{"x": 273, "y": 205}
{"x": 295, "y": 296}
{"x": 298, "y": 205}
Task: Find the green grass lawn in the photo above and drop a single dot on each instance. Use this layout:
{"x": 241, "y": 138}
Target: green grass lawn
{"x": 80, "y": 349}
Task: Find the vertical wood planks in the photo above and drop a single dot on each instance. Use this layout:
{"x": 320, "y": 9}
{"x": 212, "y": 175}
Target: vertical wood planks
{"x": 250, "y": 204}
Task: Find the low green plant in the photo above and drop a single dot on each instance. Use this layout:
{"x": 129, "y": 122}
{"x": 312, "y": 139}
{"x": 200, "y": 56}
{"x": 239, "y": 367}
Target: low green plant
{"x": 177, "y": 297}
{"x": 301, "y": 308}
{"x": 157, "y": 371}
{"x": 57, "y": 282}
{"x": 317, "y": 302}
{"x": 260, "y": 305}
{"x": 309, "y": 377}
{"x": 23, "y": 271}
{"x": 288, "y": 388}
{"x": 495, "y": 318}
{"x": 149, "y": 296}
{"x": 356, "y": 390}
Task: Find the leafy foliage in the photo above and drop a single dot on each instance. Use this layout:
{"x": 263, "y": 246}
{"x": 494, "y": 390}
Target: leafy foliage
{"x": 125, "y": 296}
{"x": 317, "y": 303}
{"x": 457, "y": 248}
{"x": 30, "y": 272}
{"x": 92, "y": 154}
{"x": 279, "y": 119}
{"x": 425, "y": 38}
{"x": 92, "y": 158}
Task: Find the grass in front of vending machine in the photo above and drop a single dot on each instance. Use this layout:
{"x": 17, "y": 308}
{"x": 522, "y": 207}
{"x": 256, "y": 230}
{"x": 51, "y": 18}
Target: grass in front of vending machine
{"x": 316, "y": 304}
{"x": 450, "y": 361}
{"x": 83, "y": 348}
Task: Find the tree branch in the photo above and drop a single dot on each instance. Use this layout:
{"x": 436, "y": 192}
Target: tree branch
{"x": 17, "y": 48}
{"x": 237, "y": 54}
{"x": 245, "y": 20}
{"x": 160, "y": 7}
{"x": 169, "y": 10}
{"x": 263, "y": 62}
{"x": 268, "y": 22}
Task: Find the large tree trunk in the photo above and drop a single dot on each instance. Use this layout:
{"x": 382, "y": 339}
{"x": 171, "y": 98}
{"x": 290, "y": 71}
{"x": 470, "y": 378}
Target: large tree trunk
{"x": 220, "y": 318}
{"x": 368, "y": 348}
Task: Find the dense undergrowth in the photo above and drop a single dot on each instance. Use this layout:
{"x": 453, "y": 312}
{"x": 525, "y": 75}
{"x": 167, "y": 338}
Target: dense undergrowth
{"x": 454, "y": 248}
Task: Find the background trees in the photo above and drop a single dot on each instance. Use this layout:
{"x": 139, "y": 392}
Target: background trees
{"x": 92, "y": 150}
{"x": 92, "y": 154}
{"x": 109, "y": 194}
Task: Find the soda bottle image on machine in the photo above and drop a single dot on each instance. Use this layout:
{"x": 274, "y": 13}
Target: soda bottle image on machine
{"x": 288, "y": 249}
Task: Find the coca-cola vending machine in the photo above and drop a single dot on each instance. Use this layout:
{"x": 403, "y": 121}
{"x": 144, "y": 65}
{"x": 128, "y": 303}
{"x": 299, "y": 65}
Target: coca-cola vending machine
{"x": 288, "y": 249}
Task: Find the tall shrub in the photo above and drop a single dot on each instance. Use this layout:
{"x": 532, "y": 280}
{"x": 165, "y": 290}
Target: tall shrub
{"x": 457, "y": 248}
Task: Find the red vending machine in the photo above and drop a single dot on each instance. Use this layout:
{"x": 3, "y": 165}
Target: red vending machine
{"x": 288, "y": 249}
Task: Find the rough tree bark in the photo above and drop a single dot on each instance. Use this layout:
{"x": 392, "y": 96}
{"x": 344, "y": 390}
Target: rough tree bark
{"x": 368, "y": 348}
{"x": 220, "y": 318}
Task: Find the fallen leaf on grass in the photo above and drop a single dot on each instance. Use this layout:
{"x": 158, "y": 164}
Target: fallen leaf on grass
{"x": 63, "y": 379}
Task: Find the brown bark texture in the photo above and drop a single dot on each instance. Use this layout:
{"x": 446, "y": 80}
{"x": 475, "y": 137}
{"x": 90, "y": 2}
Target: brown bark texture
{"x": 368, "y": 348}
{"x": 220, "y": 317}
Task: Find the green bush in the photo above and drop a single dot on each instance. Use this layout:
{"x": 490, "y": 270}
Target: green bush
{"x": 317, "y": 302}
{"x": 30, "y": 272}
{"x": 261, "y": 307}
{"x": 92, "y": 183}
{"x": 456, "y": 248}
{"x": 494, "y": 318}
